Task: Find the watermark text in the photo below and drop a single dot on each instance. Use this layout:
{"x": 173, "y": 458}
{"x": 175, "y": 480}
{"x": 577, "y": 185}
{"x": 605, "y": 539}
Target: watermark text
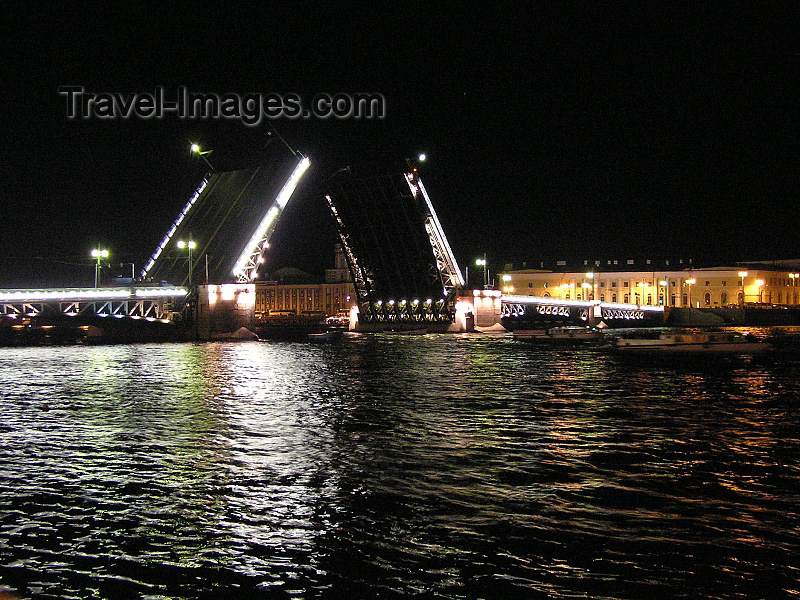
{"x": 250, "y": 108}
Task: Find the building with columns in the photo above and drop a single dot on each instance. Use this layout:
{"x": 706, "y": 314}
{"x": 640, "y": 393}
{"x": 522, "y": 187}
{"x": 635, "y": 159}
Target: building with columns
{"x": 335, "y": 296}
{"x": 647, "y": 284}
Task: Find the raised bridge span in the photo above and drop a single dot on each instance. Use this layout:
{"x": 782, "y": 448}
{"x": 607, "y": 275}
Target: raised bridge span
{"x": 403, "y": 269}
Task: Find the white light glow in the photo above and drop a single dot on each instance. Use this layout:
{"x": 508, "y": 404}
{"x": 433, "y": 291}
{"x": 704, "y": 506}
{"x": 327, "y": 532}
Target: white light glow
{"x": 227, "y": 292}
{"x": 161, "y": 292}
{"x": 258, "y": 240}
{"x": 78, "y": 294}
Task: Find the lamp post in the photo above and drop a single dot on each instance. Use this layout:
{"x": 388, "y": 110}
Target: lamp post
{"x": 507, "y": 287}
{"x": 690, "y": 282}
{"x": 98, "y": 254}
{"x": 481, "y": 262}
{"x": 663, "y": 284}
{"x": 195, "y": 148}
{"x": 190, "y": 245}
{"x": 592, "y": 285}
{"x": 742, "y": 275}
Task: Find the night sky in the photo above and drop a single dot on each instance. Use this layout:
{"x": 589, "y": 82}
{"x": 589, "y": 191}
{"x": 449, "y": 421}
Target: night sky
{"x": 629, "y": 130}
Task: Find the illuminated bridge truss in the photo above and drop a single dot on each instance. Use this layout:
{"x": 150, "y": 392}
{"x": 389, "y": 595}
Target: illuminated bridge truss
{"x": 520, "y": 312}
{"x": 144, "y": 303}
{"x": 403, "y": 268}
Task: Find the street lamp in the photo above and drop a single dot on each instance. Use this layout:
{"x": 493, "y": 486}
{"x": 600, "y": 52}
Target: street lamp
{"x": 690, "y": 282}
{"x": 195, "y": 148}
{"x": 593, "y": 285}
{"x": 190, "y": 245}
{"x": 742, "y": 275}
{"x": 98, "y": 254}
{"x": 481, "y": 262}
{"x": 663, "y": 299}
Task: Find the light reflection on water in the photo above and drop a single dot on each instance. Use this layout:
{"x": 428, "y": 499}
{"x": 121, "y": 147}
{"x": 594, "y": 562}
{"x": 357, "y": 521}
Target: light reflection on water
{"x": 444, "y": 465}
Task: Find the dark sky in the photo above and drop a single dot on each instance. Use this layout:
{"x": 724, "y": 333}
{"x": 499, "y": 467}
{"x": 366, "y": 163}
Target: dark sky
{"x": 552, "y": 130}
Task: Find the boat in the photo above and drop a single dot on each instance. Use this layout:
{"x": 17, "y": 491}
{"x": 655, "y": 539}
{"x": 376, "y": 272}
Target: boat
{"x": 691, "y": 342}
{"x": 325, "y": 336}
{"x": 556, "y": 334}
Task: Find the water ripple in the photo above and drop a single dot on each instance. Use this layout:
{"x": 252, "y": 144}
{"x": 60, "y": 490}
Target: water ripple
{"x": 446, "y": 466}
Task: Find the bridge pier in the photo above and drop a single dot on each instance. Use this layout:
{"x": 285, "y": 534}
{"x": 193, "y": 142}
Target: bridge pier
{"x": 224, "y": 311}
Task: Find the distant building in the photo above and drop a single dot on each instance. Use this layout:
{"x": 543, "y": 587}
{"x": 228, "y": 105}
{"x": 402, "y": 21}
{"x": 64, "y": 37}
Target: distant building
{"x": 335, "y": 296}
{"x": 642, "y": 282}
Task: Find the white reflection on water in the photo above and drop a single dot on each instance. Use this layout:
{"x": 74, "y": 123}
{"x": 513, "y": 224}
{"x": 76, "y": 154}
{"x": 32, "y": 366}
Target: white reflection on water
{"x": 279, "y": 443}
{"x": 451, "y": 465}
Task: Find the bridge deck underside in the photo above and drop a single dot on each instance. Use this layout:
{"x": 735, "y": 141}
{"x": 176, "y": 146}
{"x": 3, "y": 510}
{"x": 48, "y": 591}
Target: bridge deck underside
{"x": 221, "y": 221}
{"x": 383, "y": 224}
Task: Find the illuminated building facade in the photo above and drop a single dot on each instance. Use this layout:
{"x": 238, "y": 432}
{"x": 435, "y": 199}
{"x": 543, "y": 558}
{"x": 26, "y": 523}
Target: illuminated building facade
{"x": 699, "y": 288}
{"x": 324, "y": 298}
{"x": 333, "y": 297}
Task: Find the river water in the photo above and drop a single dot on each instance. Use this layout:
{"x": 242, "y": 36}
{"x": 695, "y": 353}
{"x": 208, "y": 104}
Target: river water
{"x": 438, "y": 466}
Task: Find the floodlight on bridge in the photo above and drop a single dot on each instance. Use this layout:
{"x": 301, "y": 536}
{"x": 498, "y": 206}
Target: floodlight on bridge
{"x": 246, "y": 267}
{"x": 195, "y": 149}
{"x": 98, "y": 254}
